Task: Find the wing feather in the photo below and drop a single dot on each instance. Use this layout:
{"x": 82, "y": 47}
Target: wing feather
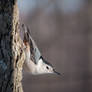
{"x": 34, "y": 51}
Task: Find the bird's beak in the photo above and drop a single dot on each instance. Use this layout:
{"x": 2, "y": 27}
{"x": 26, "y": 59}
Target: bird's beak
{"x": 56, "y": 72}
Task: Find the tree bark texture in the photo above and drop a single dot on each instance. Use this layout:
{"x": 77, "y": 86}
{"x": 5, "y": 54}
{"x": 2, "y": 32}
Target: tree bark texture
{"x": 11, "y": 52}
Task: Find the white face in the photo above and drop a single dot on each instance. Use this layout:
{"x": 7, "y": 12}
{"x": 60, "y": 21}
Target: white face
{"x": 43, "y": 68}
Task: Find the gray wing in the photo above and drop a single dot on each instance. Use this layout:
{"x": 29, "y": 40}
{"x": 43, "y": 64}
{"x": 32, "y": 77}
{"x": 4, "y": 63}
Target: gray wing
{"x": 35, "y": 53}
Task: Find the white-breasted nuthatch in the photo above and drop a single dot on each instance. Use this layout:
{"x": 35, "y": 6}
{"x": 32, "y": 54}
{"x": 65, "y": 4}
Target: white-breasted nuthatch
{"x": 34, "y": 62}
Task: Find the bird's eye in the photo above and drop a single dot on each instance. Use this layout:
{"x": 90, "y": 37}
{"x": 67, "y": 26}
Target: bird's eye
{"x": 47, "y": 67}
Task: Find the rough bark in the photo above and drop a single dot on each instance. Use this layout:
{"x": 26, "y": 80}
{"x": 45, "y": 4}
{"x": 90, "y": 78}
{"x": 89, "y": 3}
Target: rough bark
{"x": 11, "y": 52}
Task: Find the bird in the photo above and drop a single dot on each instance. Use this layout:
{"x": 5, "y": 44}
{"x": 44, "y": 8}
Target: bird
{"x": 34, "y": 61}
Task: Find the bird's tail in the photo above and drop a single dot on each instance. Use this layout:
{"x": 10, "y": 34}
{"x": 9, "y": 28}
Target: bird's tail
{"x": 26, "y": 38}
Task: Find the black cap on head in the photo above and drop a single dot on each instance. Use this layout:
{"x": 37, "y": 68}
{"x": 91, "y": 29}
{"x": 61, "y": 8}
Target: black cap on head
{"x": 46, "y": 62}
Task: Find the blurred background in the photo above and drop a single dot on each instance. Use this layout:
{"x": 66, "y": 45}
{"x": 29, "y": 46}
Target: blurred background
{"x": 62, "y": 30}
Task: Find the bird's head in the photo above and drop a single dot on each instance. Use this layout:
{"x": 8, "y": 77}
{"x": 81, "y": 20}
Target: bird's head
{"x": 44, "y": 67}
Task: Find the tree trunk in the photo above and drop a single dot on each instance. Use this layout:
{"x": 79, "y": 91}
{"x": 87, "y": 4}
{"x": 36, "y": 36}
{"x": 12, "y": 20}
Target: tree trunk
{"x": 11, "y": 52}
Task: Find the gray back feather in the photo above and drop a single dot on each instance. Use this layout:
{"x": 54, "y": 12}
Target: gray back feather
{"x": 36, "y": 51}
